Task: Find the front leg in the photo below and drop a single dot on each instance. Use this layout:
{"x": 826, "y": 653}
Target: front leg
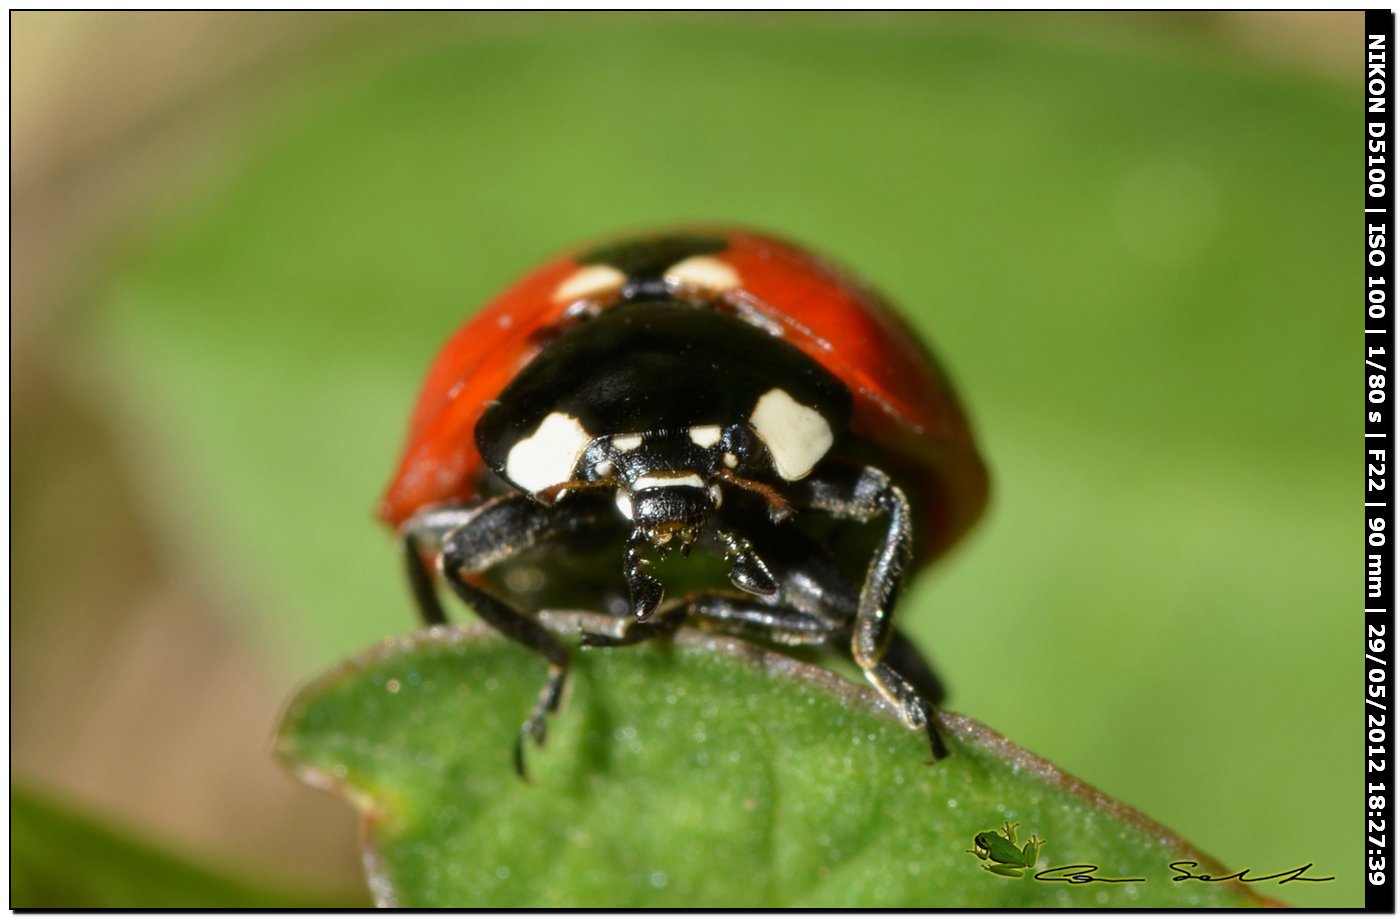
{"x": 904, "y": 656}
{"x": 727, "y": 612}
{"x": 803, "y": 599}
{"x": 468, "y": 542}
{"x": 864, "y": 495}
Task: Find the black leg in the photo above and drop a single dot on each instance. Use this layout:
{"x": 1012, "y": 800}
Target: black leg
{"x": 473, "y": 540}
{"x": 865, "y": 495}
{"x": 662, "y": 624}
{"x": 422, "y": 539}
{"x": 420, "y": 581}
{"x": 905, "y": 658}
{"x": 522, "y": 629}
{"x": 731, "y": 613}
{"x": 742, "y": 616}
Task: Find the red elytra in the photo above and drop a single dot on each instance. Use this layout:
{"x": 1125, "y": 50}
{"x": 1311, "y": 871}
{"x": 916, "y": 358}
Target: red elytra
{"x": 904, "y": 406}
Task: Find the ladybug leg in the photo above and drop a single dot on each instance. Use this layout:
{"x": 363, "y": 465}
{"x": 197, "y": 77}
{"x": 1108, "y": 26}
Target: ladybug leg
{"x": 863, "y": 495}
{"x": 906, "y": 659}
{"x": 663, "y": 624}
{"x": 902, "y": 676}
{"x": 732, "y": 613}
{"x": 420, "y": 580}
{"x": 793, "y": 594}
{"x": 744, "y": 617}
{"x": 471, "y": 541}
{"x": 422, "y": 539}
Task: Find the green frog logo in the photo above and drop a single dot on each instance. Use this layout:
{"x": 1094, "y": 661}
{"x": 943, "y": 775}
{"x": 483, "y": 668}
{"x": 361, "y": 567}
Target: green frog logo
{"x": 1000, "y": 852}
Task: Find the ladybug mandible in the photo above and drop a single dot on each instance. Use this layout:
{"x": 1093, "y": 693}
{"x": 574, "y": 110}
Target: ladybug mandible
{"x": 716, "y": 390}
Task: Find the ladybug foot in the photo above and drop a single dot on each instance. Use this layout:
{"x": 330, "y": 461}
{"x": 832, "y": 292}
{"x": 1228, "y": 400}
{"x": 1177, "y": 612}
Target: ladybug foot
{"x": 536, "y": 727}
{"x": 914, "y": 710}
{"x": 937, "y": 748}
{"x": 919, "y": 714}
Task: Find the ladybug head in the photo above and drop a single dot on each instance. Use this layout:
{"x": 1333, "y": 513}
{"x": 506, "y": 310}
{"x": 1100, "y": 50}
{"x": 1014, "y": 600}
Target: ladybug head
{"x": 667, "y": 482}
{"x": 671, "y": 511}
{"x": 668, "y": 485}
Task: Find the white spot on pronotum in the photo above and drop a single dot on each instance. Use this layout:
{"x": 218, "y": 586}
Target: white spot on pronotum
{"x": 603, "y": 468}
{"x": 796, "y": 436}
{"x": 702, "y": 271}
{"x": 673, "y": 480}
{"x": 624, "y": 502}
{"x": 705, "y": 435}
{"x": 731, "y": 461}
{"x": 589, "y": 281}
{"x": 625, "y": 442}
{"x": 548, "y": 456}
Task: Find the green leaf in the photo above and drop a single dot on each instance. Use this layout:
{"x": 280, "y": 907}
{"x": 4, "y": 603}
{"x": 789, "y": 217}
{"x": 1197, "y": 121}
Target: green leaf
{"x": 703, "y": 772}
{"x": 60, "y": 859}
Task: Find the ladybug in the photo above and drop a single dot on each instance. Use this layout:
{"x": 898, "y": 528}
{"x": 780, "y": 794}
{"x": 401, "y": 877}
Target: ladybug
{"x": 716, "y": 391}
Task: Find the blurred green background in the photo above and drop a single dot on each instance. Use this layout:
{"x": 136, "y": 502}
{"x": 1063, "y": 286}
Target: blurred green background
{"x": 239, "y": 239}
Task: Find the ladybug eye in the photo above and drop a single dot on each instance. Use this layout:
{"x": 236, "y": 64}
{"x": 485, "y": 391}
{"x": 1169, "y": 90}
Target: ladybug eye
{"x": 742, "y": 448}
